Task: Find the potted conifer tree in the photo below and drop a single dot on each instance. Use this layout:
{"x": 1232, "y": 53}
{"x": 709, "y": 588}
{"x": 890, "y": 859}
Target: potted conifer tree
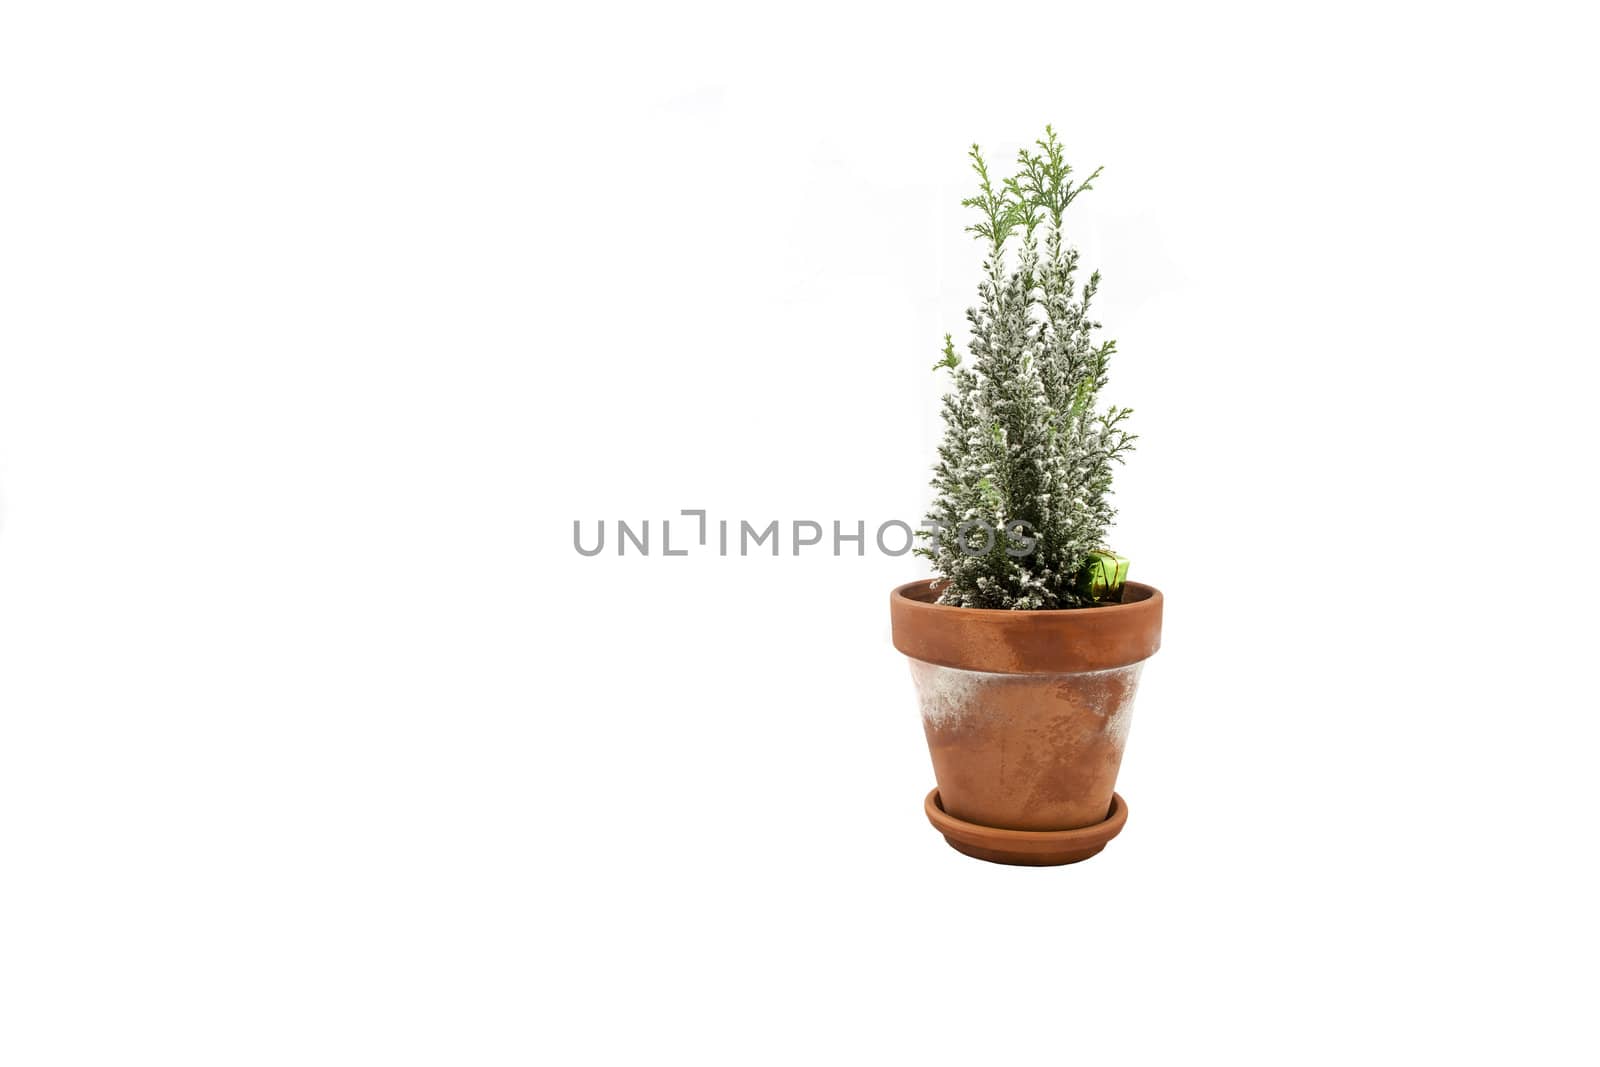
{"x": 1027, "y": 646}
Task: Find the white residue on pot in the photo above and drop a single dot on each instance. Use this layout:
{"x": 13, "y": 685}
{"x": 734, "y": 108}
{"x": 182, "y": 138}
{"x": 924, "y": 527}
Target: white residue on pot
{"x": 947, "y": 694}
{"x": 1119, "y": 710}
{"x": 1112, "y": 698}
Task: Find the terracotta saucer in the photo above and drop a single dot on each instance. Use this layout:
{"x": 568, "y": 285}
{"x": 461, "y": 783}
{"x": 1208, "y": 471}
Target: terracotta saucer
{"x": 1026, "y": 848}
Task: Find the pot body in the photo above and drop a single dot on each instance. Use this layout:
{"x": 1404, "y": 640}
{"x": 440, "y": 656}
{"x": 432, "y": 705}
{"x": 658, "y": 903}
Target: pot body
{"x": 1026, "y": 751}
{"x": 1026, "y": 712}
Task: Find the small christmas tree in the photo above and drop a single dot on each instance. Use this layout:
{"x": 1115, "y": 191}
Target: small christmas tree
{"x": 1025, "y": 466}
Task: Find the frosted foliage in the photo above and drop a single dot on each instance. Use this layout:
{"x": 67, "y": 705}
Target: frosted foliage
{"x": 1027, "y": 450}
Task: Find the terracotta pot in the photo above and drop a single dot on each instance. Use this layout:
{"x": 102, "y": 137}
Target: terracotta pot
{"x": 1026, "y": 714}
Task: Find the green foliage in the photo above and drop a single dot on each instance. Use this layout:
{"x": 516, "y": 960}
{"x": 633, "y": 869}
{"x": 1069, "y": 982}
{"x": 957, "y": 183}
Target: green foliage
{"x": 1026, "y": 451}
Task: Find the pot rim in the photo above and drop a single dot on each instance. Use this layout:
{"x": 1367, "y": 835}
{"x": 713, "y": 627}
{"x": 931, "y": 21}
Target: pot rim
{"x": 1003, "y": 641}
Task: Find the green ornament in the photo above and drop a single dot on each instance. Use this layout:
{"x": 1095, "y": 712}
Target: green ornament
{"x": 1102, "y": 576}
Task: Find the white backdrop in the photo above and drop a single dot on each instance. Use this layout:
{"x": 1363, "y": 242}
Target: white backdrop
{"x": 322, "y": 323}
